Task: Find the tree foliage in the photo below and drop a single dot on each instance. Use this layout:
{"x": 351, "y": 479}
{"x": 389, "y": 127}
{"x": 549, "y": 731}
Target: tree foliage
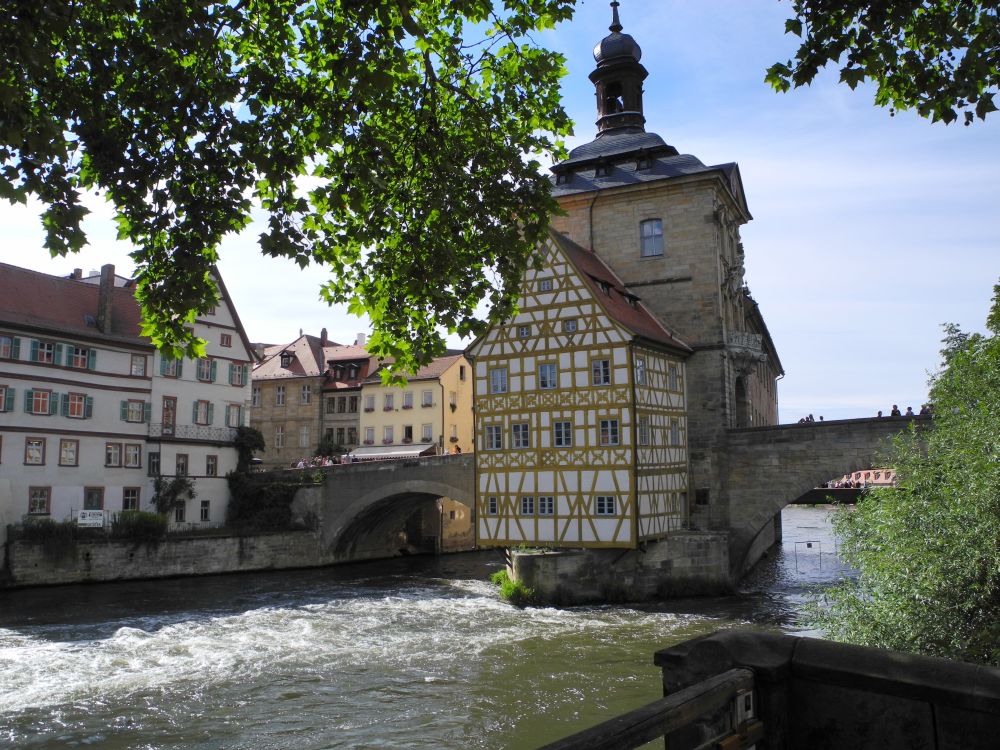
{"x": 928, "y": 549}
{"x": 390, "y": 141}
{"x": 940, "y": 57}
{"x": 247, "y": 441}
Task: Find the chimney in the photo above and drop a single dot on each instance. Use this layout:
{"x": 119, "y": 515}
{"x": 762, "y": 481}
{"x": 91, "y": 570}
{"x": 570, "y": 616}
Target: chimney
{"x": 322, "y": 338}
{"x": 77, "y": 274}
{"x": 104, "y": 298}
{"x": 361, "y": 340}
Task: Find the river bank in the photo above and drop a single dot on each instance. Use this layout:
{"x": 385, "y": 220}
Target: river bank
{"x": 414, "y": 653}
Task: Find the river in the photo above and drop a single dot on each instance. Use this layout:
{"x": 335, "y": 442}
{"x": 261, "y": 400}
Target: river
{"x": 407, "y": 653}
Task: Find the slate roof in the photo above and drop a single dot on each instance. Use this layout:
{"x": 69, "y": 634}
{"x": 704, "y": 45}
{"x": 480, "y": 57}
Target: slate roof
{"x": 619, "y": 303}
{"x": 63, "y": 305}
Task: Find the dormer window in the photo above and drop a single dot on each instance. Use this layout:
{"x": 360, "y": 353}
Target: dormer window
{"x": 602, "y": 170}
{"x": 643, "y": 162}
{"x": 352, "y": 372}
{"x": 286, "y": 359}
{"x": 605, "y": 287}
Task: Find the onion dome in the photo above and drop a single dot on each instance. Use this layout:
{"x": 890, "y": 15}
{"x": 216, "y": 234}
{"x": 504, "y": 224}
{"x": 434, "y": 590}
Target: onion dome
{"x": 616, "y": 45}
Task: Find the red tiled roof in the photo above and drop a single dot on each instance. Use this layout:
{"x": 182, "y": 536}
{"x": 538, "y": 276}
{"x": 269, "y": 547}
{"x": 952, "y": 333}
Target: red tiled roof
{"x": 620, "y": 304}
{"x": 431, "y": 371}
{"x": 306, "y": 361}
{"x": 39, "y": 300}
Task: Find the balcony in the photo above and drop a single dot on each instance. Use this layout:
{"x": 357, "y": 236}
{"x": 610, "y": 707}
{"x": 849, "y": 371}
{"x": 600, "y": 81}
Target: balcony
{"x": 193, "y": 432}
{"x": 745, "y": 350}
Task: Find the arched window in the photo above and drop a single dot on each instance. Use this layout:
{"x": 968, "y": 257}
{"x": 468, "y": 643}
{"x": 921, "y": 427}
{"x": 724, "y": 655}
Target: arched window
{"x": 651, "y": 238}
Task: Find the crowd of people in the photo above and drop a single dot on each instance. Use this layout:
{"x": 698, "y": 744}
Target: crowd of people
{"x": 895, "y": 412}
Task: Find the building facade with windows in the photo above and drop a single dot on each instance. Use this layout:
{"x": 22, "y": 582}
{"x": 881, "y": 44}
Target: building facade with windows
{"x": 305, "y": 391}
{"x": 581, "y": 420}
{"x": 433, "y": 409}
{"x": 90, "y": 413}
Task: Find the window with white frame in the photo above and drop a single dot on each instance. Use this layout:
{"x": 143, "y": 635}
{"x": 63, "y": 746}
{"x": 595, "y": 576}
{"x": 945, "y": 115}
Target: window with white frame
{"x": 426, "y": 433}
{"x": 34, "y": 451}
{"x": 546, "y": 505}
{"x": 407, "y": 399}
{"x": 498, "y": 380}
{"x": 643, "y": 430}
{"x": 304, "y": 436}
{"x": 494, "y": 437}
{"x": 520, "y": 436}
{"x": 180, "y": 512}
{"x": 279, "y": 395}
{"x": 77, "y": 356}
{"x": 548, "y": 376}
{"x": 130, "y": 498}
{"x": 76, "y": 405}
{"x": 9, "y": 346}
{"x": 6, "y": 398}
{"x": 69, "y": 452}
{"x": 137, "y": 365}
{"x": 675, "y": 432}
{"x": 640, "y": 371}
{"x": 43, "y": 352}
{"x": 38, "y": 500}
{"x": 352, "y": 404}
{"x": 369, "y": 435}
{"x": 427, "y": 398}
{"x": 112, "y": 454}
{"x": 562, "y": 434}
{"x": 387, "y": 436}
{"x": 153, "y": 464}
{"x": 305, "y": 396}
{"x": 673, "y": 378}
{"x": 600, "y": 372}
{"x": 527, "y": 505}
{"x": 234, "y": 415}
{"x": 545, "y": 285}
{"x": 604, "y": 505}
{"x": 387, "y": 402}
{"x": 206, "y": 511}
{"x": 370, "y": 403}
{"x": 39, "y": 402}
{"x": 651, "y": 234}
{"x": 523, "y": 331}
{"x": 569, "y": 325}
{"x": 238, "y": 373}
{"x": 279, "y": 436}
{"x": 609, "y": 432}
{"x": 226, "y": 339}
{"x": 492, "y": 506}
{"x": 255, "y": 396}
{"x": 206, "y": 370}
{"x": 202, "y": 411}
{"x": 181, "y": 465}
{"x": 211, "y": 465}
{"x": 170, "y": 368}
{"x": 133, "y": 456}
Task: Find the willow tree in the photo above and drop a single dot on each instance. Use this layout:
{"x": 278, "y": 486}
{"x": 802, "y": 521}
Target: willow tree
{"x": 939, "y": 57}
{"x": 393, "y": 142}
{"x": 928, "y": 550}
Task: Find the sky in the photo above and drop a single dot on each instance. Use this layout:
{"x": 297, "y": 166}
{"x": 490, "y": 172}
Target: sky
{"x": 869, "y": 232}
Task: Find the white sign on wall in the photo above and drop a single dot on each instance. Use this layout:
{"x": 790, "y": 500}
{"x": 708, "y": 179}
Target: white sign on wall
{"x": 90, "y": 518}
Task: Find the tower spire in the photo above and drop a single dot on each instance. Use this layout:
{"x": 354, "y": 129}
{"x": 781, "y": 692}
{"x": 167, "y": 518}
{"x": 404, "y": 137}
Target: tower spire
{"x": 616, "y": 24}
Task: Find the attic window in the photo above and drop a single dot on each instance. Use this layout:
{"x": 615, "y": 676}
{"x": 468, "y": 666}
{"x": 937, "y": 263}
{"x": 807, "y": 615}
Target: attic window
{"x": 631, "y": 299}
{"x": 563, "y": 177}
{"x": 643, "y": 162}
{"x": 352, "y": 372}
{"x": 605, "y": 287}
{"x": 602, "y": 170}
{"x": 286, "y": 359}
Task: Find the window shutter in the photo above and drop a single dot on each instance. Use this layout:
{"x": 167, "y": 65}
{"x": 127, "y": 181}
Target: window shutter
{"x": 57, "y": 359}
{"x": 65, "y": 404}
{"x": 246, "y": 373}
{"x": 28, "y": 396}
{"x": 88, "y": 406}
{"x": 34, "y": 351}
{"x": 92, "y": 359}
{"x": 15, "y": 351}
{"x": 124, "y": 410}
{"x": 54, "y": 403}
{"x": 147, "y": 411}
{"x": 231, "y": 366}
{"x": 163, "y": 365}
{"x": 194, "y": 413}
{"x": 180, "y": 367}
{"x": 9, "y": 401}
{"x": 211, "y": 413}
{"x": 212, "y": 376}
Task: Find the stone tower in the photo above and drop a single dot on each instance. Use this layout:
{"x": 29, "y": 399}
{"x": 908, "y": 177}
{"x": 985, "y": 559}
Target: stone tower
{"x": 668, "y": 225}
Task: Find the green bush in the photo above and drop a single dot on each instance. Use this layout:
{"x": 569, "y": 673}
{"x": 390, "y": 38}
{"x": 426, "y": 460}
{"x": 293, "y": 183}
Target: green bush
{"x": 258, "y": 505}
{"x": 139, "y": 526}
{"x": 511, "y": 591}
{"x": 46, "y": 530}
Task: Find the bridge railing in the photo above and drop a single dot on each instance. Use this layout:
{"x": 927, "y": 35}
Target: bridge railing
{"x": 717, "y": 712}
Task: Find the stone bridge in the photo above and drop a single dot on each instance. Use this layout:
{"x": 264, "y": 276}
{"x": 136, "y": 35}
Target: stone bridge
{"x": 757, "y": 472}
{"x": 363, "y": 506}
{"x": 762, "y": 469}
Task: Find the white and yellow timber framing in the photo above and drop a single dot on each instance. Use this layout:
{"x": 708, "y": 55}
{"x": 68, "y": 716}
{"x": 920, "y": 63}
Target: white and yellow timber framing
{"x": 541, "y": 481}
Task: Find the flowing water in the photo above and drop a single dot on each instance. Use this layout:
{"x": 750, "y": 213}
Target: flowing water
{"x": 408, "y": 653}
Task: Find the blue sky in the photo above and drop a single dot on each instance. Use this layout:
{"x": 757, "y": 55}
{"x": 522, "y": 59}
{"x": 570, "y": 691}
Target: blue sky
{"x": 869, "y": 231}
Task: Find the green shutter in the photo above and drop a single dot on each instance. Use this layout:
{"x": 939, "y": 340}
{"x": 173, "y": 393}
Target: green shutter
{"x": 231, "y": 366}
{"x": 54, "y": 403}
{"x": 211, "y": 413}
{"x": 15, "y": 351}
{"x": 246, "y": 373}
{"x": 163, "y": 365}
{"x": 147, "y": 411}
{"x": 92, "y": 359}
{"x": 9, "y": 401}
{"x": 65, "y": 404}
{"x": 212, "y": 376}
{"x": 28, "y": 396}
{"x": 180, "y": 367}
{"x": 57, "y": 358}
{"x": 88, "y": 407}
{"x": 34, "y": 351}
{"x": 194, "y": 413}
{"x": 124, "y": 411}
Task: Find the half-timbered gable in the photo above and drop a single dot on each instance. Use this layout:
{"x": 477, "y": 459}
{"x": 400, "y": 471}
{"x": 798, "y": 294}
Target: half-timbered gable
{"x": 573, "y": 413}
